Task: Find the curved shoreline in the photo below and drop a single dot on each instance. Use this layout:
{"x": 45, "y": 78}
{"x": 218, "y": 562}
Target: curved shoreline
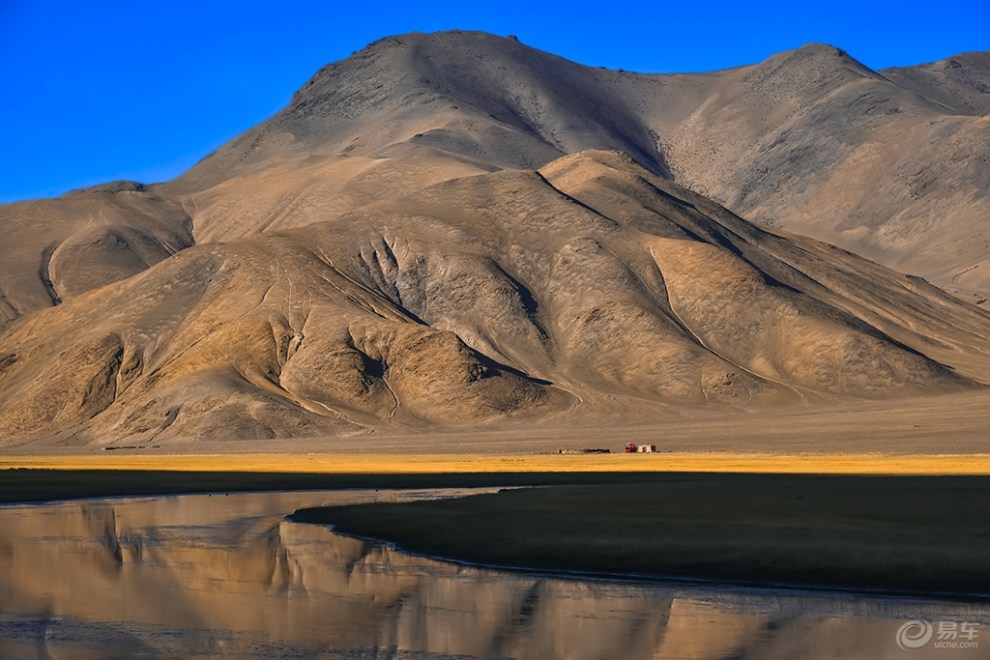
{"x": 895, "y": 535}
{"x": 676, "y": 580}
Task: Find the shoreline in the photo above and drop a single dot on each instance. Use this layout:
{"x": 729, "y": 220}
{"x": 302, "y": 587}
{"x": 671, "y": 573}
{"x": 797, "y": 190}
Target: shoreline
{"x": 899, "y": 535}
{"x": 685, "y": 580}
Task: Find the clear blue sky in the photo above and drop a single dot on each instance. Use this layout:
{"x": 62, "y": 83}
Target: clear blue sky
{"x": 92, "y": 91}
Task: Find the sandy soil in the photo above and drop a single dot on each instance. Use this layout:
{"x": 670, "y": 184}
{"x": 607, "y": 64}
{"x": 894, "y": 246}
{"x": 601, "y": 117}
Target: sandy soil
{"x": 941, "y": 425}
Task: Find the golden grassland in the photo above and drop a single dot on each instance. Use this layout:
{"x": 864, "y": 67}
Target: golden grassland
{"x": 422, "y": 464}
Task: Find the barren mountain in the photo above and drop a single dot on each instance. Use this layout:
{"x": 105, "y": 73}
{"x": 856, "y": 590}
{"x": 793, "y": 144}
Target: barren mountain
{"x": 815, "y": 142}
{"x": 590, "y": 287}
{"x": 54, "y": 249}
{"x": 960, "y": 83}
{"x": 890, "y": 165}
{"x": 457, "y": 229}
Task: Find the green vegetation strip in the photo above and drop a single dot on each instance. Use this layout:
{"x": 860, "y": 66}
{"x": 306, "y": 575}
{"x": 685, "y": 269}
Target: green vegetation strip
{"x": 926, "y": 534}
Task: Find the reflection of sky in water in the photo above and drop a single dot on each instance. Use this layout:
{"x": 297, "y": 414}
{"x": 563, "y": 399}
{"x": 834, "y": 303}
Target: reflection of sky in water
{"x": 223, "y": 575}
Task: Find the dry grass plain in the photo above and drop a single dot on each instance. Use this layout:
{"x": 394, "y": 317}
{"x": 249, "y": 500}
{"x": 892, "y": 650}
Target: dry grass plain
{"x": 427, "y": 464}
{"x": 930, "y": 435}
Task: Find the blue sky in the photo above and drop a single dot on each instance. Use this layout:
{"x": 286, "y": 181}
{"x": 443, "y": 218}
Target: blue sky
{"x": 100, "y": 90}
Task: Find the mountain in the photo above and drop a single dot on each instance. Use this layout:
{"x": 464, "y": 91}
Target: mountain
{"x": 456, "y": 229}
{"x": 54, "y": 249}
{"x": 587, "y": 289}
{"x": 815, "y": 142}
{"x": 961, "y": 84}
{"x": 901, "y": 171}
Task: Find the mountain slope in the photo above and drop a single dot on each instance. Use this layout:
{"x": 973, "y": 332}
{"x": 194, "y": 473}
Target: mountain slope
{"x": 960, "y": 83}
{"x": 590, "y": 289}
{"x": 815, "y": 142}
{"x": 57, "y": 248}
{"x": 889, "y": 166}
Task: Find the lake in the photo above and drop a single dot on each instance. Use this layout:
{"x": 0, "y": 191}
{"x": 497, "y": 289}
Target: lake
{"x": 227, "y": 576}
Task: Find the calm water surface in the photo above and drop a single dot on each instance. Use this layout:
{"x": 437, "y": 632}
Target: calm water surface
{"x": 227, "y": 576}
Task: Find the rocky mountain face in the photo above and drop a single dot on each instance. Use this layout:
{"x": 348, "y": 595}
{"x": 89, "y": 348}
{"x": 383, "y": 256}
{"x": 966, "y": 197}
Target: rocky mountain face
{"x": 456, "y": 229}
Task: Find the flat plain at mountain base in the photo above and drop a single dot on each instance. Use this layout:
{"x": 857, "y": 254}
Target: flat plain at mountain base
{"x": 949, "y": 424}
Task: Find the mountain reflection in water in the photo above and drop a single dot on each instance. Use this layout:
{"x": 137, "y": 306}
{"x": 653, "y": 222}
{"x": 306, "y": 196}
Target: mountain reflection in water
{"x": 223, "y": 575}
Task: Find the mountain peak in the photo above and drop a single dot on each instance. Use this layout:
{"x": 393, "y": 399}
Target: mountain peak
{"x": 822, "y": 48}
{"x": 823, "y": 55}
{"x": 415, "y": 55}
{"x": 474, "y": 95}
